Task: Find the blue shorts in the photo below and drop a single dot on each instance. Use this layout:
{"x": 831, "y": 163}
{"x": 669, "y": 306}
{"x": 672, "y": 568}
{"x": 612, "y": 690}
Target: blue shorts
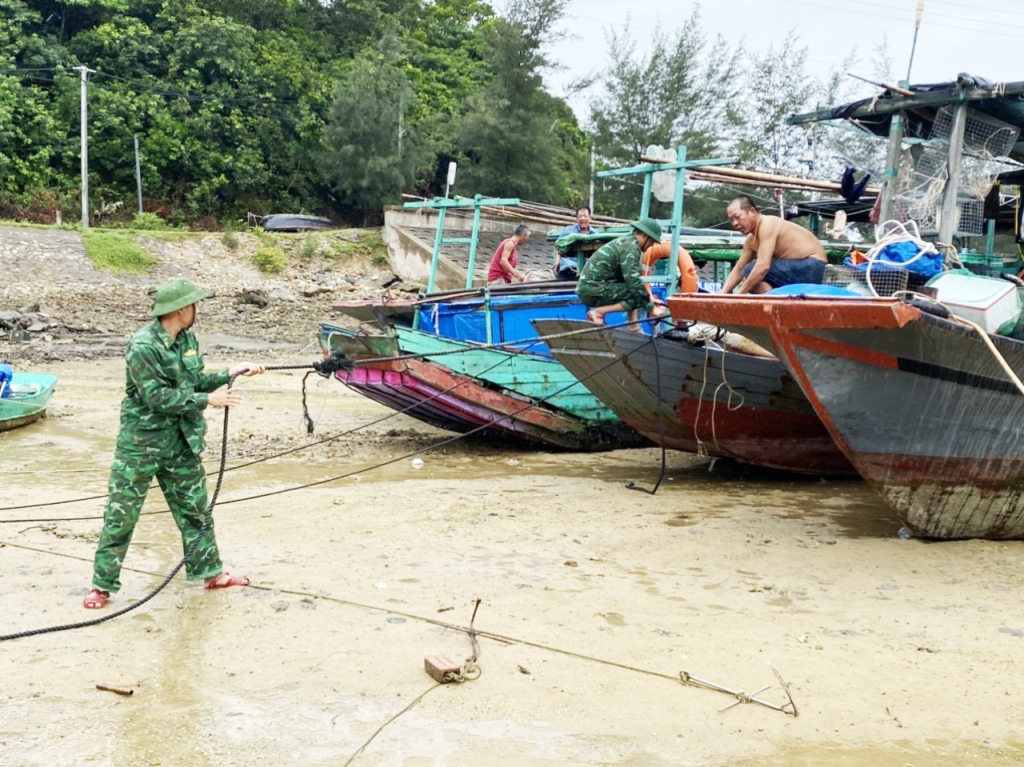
{"x": 791, "y": 271}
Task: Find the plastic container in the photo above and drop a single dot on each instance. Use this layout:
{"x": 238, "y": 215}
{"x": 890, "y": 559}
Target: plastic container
{"x": 988, "y": 301}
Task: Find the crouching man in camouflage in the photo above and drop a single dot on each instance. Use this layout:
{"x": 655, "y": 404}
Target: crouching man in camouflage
{"x": 162, "y": 431}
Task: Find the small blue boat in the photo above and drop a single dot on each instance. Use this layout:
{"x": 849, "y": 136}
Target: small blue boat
{"x": 23, "y": 399}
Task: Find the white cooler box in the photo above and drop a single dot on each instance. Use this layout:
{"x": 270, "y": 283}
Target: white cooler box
{"x": 988, "y": 301}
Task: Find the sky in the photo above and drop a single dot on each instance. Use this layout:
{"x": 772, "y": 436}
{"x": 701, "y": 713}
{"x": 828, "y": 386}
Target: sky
{"x": 981, "y": 37}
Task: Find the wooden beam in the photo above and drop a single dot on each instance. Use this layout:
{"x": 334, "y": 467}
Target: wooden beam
{"x": 947, "y": 224}
{"x": 895, "y": 104}
{"x": 772, "y": 179}
{"x": 892, "y": 167}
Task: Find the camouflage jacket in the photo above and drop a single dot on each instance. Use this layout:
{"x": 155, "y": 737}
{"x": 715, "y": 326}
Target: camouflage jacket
{"x": 615, "y": 262}
{"x": 165, "y": 395}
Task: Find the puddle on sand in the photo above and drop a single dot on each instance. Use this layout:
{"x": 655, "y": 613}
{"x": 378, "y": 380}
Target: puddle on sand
{"x": 856, "y": 509}
{"x": 681, "y": 520}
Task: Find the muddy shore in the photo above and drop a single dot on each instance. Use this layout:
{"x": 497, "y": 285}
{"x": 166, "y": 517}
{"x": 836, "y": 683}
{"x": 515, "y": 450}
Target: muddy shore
{"x": 594, "y": 597}
{"x": 897, "y": 652}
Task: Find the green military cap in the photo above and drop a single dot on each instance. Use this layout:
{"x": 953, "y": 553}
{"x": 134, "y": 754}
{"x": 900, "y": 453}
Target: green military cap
{"x": 177, "y": 294}
{"x": 648, "y": 226}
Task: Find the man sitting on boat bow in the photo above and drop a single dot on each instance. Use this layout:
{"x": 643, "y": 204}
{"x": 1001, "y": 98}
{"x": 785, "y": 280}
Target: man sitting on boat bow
{"x": 611, "y": 281}
{"x": 777, "y": 252}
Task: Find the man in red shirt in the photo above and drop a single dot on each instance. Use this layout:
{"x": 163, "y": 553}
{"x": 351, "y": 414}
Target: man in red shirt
{"x": 506, "y": 258}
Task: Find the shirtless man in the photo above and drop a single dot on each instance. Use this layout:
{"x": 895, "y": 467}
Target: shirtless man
{"x": 776, "y": 253}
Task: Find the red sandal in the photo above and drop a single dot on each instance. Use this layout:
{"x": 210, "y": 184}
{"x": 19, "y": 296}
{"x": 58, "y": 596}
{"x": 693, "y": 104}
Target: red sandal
{"x": 224, "y": 580}
{"x": 96, "y": 599}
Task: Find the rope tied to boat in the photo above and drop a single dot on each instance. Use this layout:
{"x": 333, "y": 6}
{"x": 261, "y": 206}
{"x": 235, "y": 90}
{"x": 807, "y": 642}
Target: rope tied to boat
{"x": 467, "y": 672}
{"x": 921, "y": 301}
{"x": 512, "y": 353}
{"x": 325, "y": 368}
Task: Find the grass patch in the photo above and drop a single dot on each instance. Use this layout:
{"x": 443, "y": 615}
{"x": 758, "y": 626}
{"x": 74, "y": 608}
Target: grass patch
{"x": 150, "y": 221}
{"x": 117, "y": 253}
{"x": 231, "y": 239}
{"x": 171, "y": 235}
{"x": 270, "y": 258}
{"x": 309, "y": 247}
{"x": 370, "y": 246}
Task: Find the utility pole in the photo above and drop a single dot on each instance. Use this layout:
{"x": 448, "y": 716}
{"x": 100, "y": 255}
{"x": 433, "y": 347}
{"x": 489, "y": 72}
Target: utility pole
{"x": 917, "y": 27}
{"x": 593, "y": 167}
{"x": 85, "y": 72}
{"x": 138, "y": 171}
{"x": 401, "y": 116}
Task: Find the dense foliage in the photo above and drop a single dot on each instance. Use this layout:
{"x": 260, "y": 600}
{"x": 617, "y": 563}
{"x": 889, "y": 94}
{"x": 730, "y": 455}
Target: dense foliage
{"x": 264, "y": 104}
{"x": 337, "y": 107}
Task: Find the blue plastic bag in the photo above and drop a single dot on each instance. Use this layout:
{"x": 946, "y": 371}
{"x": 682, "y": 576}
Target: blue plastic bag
{"x": 6, "y": 376}
{"x": 904, "y": 256}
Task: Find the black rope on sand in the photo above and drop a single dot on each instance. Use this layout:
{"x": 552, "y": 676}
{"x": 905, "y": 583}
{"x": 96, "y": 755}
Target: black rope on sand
{"x": 661, "y": 422}
{"x": 320, "y": 367}
{"x": 513, "y": 353}
{"x": 177, "y": 568}
{"x": 393, "y": 414}
{"x": 220, "y": 479}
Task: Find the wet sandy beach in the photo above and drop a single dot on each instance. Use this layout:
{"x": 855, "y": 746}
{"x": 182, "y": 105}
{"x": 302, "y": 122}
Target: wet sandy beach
{"x": 897, "y": 651}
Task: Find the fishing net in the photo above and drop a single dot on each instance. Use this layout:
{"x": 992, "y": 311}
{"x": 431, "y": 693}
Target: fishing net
{"x": 919, "y": 194}
{"x": 885, "y": 281}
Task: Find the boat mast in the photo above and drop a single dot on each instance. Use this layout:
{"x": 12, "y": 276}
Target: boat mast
{"x": 654, "y": 165}
{"x": 947, "y": 224}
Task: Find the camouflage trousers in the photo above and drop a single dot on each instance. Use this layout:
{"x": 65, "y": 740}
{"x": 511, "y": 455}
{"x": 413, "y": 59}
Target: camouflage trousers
{"x": 183, "y": 482}
{"x": 607, "y": 293}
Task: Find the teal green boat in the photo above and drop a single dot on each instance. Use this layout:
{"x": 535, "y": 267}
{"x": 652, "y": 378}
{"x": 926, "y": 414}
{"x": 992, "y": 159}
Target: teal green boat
{"x": 23, "y": 399}
{"x": 504, "y": 393}
{"x": 532, "y": 375}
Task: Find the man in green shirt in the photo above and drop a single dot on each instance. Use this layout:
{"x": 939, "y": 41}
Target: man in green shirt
{"x": 611, "y": 278}
{"x": 162, "y": 435}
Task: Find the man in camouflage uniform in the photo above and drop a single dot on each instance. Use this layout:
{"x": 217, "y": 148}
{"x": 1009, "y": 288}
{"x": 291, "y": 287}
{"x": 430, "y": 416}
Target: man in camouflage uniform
{"x": 611, "y": 281}
{"x": 162, "y": 435}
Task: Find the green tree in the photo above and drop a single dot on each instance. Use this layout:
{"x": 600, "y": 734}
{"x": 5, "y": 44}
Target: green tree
{"x": 374, "y": 150}
{"x": 676, "y": 90}
{"x": 515, "y": 137}
{"x": 783, "y": 89}
{"x": 841, "y": 144}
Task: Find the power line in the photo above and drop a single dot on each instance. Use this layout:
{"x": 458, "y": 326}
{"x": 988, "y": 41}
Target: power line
{"x": 908, "y": 19}
{"x": 31, "y": 69}
{"x": 178, "y": 94}
{"x": 979, "y": 7}
{"x": 932, "y": 14}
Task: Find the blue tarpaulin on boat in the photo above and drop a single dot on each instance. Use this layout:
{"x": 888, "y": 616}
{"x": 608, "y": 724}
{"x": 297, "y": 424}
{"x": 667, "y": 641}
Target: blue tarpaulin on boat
{"x": 812, "y": 289}
{"x": 6, "y": 376}
{"x": 510, "y": 316}
{"x": 904, "y": 255}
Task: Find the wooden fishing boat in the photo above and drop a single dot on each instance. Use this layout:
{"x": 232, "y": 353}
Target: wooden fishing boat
{"x": 919, "y": 403}
{"x": 703, "y": 400}
{"x": 501, "y": 376}
{"x": 26, "y": 399}
{"x": 521, "y": 396}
